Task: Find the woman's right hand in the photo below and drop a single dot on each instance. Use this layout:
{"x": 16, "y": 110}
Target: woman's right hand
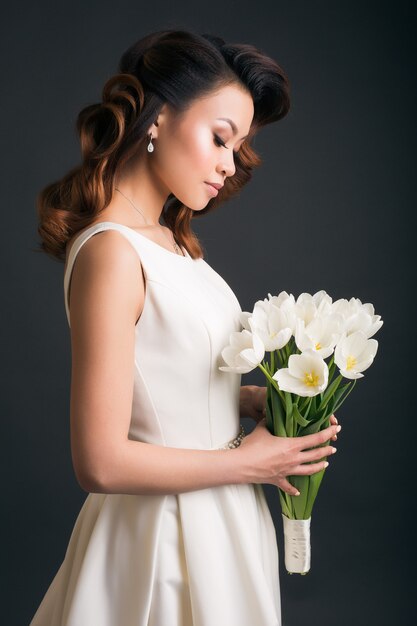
{"x": 270, "y": 459}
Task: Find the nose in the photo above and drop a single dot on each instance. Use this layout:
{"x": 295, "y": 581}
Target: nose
{"x": 227, "y": 164}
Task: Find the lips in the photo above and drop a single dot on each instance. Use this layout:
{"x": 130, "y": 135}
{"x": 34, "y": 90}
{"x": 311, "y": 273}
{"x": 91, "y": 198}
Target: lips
{"x": 212, "y": 189}
{"x": 216, "y": 185}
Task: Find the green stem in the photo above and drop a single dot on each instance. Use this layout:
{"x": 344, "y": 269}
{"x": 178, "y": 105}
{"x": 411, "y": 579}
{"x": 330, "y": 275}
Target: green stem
{"x": 338, "y": 404}
{"x": 330, "y": 391}
{"x": 279, "y": 357}
{"x": 272, "y": 381}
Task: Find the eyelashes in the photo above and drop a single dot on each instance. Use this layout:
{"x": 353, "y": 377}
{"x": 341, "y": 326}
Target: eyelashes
{"x": 221, "y": 143}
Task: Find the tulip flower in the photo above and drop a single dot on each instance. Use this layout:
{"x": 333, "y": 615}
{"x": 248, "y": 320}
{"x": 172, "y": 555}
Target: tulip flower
{"x": 244, "y": 353}
{"x": 270, "y": 324}
{"x": 358, "y": 316}
{"x": 307, "y": 374}
{"x": 321, "y": 334}
{"x": 354, "y": 353}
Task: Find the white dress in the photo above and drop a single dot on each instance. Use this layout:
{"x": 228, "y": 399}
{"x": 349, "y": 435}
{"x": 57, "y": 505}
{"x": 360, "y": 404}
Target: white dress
{"x": 206, "y": 557}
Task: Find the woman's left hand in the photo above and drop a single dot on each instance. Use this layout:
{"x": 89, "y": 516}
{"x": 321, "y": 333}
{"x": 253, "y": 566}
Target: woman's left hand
{"x": 253, "y": 403}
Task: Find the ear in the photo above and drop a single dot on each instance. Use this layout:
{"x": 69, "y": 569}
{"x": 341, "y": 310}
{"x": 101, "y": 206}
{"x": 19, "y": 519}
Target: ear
{"x": 162, "y": 115}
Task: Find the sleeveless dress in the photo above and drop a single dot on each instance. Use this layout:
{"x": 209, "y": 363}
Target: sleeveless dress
{"x": 206, "y": 557}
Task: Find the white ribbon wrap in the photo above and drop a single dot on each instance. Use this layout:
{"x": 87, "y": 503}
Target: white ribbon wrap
{"x": 297, "y": 545}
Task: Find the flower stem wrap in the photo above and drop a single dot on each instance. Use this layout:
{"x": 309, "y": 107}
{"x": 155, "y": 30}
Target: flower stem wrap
{"x": 297, "y": 545}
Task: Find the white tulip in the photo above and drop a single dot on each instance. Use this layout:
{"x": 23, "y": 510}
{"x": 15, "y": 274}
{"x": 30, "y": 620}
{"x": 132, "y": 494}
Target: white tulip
{"x": 309, "y": 307}
{"x": 321, "y": 334}
{"x": 282, "y": 300}
{"x": 323, "y": 303}
{"x": 286, "y": 303}
{"x": 244, "y": 353}
{"x": 307, "y": 374}
{"x": 270, "y": 324}
{"x": 358, "y": 316}
{"x": 354, "y": 353}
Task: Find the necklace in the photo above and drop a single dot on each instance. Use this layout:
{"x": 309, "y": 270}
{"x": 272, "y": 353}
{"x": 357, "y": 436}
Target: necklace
{"x": 176, "y": 246}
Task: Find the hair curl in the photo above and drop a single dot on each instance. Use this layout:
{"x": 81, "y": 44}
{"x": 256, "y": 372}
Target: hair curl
{"x": 173, "y": 66}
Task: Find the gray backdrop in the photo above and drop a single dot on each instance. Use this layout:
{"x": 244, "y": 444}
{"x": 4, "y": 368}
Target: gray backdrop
{"x": 330, "y": 208}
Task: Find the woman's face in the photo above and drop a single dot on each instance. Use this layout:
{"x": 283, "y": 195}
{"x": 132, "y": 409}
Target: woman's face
{"x": 188, "y": 153}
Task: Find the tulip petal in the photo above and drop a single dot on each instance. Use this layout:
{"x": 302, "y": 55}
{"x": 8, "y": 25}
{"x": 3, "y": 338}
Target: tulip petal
{"x": 350, "y": 374}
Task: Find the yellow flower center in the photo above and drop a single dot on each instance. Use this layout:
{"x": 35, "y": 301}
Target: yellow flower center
{"x": 318, "y": 346}
{"x": 311, "y": 379}
{"x": 350, "y": 362}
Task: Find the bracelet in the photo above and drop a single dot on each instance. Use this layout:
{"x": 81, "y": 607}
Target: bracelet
{"x": 235, "y": 443}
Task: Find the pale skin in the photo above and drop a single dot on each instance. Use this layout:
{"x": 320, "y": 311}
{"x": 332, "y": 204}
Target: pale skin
{"x": 107, "y": 294}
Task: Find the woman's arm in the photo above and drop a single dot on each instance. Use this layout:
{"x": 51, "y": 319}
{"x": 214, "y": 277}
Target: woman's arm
{"x": 106, "y": 300}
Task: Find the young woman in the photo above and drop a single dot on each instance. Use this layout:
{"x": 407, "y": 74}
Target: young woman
{"x": 175, "y": 530}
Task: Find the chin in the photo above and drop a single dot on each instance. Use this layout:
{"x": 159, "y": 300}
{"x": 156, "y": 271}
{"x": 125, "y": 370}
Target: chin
{"x": 193, "y": 203}
{"x": 196, "y": 206}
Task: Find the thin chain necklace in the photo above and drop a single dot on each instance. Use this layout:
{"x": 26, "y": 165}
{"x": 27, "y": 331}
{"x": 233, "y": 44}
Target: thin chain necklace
{"x": 176, "y": 246}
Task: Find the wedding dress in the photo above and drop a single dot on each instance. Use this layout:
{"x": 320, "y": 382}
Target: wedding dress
{"x": 206, "y": 557}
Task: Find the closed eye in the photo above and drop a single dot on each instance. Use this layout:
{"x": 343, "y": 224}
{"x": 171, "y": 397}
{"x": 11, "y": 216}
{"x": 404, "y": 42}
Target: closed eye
{"x": 219, "y": 142}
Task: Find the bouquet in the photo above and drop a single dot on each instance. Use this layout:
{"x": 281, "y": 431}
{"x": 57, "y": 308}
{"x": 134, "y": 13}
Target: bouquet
{"x": 303, "y": 390}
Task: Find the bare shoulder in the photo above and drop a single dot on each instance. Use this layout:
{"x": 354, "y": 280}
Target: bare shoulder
{"x": 107, "y": 270}
{"x": 109, "y": 247}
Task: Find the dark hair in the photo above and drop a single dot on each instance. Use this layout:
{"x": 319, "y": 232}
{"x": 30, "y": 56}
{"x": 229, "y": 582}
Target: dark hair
{"x": 173, "y": 66}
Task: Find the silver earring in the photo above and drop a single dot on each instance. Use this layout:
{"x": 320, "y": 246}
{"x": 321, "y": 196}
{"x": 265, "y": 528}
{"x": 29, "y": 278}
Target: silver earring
{"x": 150, "y": 145}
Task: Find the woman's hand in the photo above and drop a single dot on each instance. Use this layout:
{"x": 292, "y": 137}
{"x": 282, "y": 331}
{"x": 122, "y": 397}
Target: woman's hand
{"x": 253, "y": 402}
{"x": 333, "y": 420}
{"x": 270, "y": 459}
{"x": 266, "y": 458}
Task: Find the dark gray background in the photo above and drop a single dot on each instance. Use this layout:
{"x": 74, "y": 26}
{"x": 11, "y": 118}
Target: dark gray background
{"x": 330, "y": 208}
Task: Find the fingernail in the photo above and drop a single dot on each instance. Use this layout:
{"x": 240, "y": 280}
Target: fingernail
{"x": 334, "y": 450}
{"x": 326, "y": 464}
{"x": 338, "y": 429}
{"x": 297, "y": 493}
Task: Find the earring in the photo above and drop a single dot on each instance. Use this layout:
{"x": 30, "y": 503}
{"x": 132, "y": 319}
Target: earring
{"x": 150, "y": 145}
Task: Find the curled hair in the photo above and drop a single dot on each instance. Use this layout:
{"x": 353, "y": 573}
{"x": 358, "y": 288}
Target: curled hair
{"x": 170, "y": 66}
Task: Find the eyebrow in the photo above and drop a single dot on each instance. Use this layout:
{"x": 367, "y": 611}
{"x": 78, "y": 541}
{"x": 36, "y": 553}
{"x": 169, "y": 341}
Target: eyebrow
{"x": 232, "y": 124}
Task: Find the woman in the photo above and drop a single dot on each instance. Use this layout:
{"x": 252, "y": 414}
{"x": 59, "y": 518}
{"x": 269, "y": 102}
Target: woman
{"x": 175, "y": 530}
